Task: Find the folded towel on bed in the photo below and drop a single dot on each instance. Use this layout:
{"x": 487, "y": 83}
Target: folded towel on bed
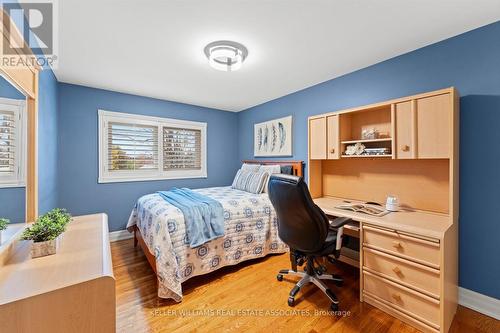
{"x": 204, "y": 216}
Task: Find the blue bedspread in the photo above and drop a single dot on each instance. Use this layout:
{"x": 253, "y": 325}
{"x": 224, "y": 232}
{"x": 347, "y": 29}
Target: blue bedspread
{"x": 204, "y": 216}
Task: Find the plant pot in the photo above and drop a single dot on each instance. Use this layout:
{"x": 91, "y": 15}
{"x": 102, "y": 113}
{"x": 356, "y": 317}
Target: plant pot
{"x": 42, "y": 249}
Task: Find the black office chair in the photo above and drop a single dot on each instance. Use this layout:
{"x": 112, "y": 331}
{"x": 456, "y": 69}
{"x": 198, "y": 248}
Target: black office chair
{"x": 304, "y": 227}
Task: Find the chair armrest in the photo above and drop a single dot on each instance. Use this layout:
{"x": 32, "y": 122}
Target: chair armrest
{"x": 339, "y": 222}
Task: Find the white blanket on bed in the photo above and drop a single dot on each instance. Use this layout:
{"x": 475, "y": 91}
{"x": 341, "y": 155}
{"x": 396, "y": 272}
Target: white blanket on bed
{"x": 250, "y": 232}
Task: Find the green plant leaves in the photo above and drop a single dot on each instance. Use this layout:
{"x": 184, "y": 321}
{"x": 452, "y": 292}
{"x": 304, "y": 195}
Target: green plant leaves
{"x": 47, "y": 226}
{"x": 3, "y": 223}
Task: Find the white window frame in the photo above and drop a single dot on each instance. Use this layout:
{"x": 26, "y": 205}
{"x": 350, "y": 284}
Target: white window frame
{"x": 18, "y": 106}
{"x": 105, "y": 176}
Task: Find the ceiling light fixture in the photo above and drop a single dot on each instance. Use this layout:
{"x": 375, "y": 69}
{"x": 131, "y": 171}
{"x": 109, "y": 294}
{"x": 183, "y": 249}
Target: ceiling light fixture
{"x": 225, "y": 55}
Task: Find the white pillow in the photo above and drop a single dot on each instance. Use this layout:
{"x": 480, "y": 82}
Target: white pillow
{"x": 250, "y": 181}
{"x": 250, "y": 167}
{"x": 271, "y": 169}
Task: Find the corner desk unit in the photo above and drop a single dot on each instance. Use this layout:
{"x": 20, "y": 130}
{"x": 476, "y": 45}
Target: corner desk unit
{"x": 408, "y": 259}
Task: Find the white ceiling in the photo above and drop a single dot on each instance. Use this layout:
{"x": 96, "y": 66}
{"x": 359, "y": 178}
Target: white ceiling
{"x": 155, "y": 48}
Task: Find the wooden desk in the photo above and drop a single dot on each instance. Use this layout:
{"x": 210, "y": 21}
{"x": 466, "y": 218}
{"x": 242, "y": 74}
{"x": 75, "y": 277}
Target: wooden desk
{"x": 71, "y": 291}
{"x": 407, "y": 264}
{"x": 424, "y": 224}
{"x": 408, "y": 260}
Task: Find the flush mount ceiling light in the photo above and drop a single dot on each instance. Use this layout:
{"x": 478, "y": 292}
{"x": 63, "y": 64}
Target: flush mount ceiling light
{"x": 225, "y": 55}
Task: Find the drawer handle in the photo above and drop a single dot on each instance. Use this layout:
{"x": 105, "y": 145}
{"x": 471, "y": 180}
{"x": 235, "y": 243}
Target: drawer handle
{"x": 332, "y": 151}
{"x": 405, "y": 148}
{"x": 397, "y": 270}
{"x": 397, "y": 245}
{"x": 397, "y": 297}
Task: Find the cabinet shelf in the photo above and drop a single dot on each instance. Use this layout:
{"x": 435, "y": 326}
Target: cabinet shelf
{"x": 367, "y": 140}
{"x": 366, "y": 156}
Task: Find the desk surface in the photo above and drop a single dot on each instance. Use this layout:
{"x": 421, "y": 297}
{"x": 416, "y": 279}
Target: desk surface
{"x": 82, "y": 256}
{"x": 421, "y": 223}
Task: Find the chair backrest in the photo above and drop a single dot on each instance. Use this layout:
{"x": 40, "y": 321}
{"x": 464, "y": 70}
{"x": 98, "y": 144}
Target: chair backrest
{"x": 301, "y": 224}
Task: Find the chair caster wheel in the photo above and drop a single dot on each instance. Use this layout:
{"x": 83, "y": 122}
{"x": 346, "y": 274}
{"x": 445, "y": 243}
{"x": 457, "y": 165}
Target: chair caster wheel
{"x": 291, "y": 301}
{"x": 334, "y": 307}
{"x": 279, "y": 277}
{"x": 339, "y": 283}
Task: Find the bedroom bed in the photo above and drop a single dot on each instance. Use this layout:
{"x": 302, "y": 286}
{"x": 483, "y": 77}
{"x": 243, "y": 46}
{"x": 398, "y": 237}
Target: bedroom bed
{"x": 250, "y": 231}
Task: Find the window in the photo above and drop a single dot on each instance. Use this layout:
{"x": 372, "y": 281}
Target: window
{"x": 132, "y": 147}
{"x": 136, "y": 148}
{"x": 181, "y": 149}
{"x": 12, "y": 143}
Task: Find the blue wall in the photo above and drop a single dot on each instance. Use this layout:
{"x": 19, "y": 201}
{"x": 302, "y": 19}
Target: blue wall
{"x": 12, "y": 199}
{"x": 471, "y": 63}
{"x": 78, "y": 189}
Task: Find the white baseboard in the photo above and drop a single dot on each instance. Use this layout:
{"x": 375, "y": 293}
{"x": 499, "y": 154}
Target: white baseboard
{"x": 481, "y": 303}
{"x": 120, "y": 235}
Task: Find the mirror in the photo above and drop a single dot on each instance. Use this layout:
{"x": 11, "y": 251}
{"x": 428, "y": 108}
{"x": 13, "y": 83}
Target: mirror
{"x": 13, "y": 143}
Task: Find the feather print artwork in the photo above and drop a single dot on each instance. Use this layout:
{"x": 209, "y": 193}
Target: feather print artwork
{"x": 273, "y": 137}
{"x": 266, "y": 137}
{"x": 282, "y": 135}
{"x": 259, "y": 138}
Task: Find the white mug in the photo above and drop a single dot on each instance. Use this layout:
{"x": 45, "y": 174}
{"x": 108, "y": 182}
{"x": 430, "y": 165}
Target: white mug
{"x": 392, "y": 203}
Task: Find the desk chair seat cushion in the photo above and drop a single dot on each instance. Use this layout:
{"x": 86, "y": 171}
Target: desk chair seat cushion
{"x": 330, "y": 244}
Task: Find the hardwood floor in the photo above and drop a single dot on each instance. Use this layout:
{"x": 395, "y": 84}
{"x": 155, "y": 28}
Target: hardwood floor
{"x": 248, "y": 298}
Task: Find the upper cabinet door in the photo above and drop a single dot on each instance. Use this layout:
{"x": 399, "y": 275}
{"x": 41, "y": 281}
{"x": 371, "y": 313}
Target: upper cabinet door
{"x": 433, "y": 126}
{"x": 333, "y": 148}
{"x": 405, "y": 131}
{"x": 317, "y": 138}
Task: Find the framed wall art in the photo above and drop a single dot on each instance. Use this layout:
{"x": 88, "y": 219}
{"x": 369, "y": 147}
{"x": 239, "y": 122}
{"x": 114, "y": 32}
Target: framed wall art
{"x": 273, "y": 138}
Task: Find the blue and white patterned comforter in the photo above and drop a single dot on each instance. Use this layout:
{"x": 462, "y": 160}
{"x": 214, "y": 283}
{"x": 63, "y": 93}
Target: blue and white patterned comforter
{"x": 251, "y": 231}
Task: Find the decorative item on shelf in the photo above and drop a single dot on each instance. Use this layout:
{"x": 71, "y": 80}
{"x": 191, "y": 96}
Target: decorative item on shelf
{"x": 3, "y": 226}
{"x": 370, "y": 134}
{"x": 356, "y": 149}
{"x": 273, "y": 138}
{"x": 377, "y": 151}
{"x": 392, "y": 203}
{"x": 46, "y": 232}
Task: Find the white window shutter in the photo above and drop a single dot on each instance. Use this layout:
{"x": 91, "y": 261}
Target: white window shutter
{"x": 181, "y": 149}
{"x": 132, "y": 147}
{"x": 8, "y": 144}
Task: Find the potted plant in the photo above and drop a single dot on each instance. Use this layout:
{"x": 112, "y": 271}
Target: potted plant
{"x": 3, "y": 226}
{"x": 46, "y": 232}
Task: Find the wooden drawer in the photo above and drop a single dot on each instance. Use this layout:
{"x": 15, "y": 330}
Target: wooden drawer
{"x": 414, "y": 304}
{"x": 419, "y": 277}
{"x": 412, "y": 248}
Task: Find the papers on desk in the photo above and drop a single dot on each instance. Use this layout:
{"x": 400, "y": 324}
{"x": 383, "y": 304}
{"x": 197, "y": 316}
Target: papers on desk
{"x": 373, "y": 210}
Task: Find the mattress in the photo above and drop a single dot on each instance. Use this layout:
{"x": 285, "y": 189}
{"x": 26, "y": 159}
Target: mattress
{"x": 251, "y": 231}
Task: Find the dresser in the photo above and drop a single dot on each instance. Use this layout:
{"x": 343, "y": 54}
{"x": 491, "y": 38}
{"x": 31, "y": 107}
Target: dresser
{"x": 408, "y": 260}
{"x": 71, "y": 291}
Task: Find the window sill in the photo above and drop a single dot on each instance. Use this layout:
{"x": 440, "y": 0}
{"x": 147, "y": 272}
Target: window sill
{"x": 12, "y": 185}
{"x": 107, "y": 180}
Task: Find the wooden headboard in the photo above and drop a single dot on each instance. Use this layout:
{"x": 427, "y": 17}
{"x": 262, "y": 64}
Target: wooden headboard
{"x": 297, "y": 166}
